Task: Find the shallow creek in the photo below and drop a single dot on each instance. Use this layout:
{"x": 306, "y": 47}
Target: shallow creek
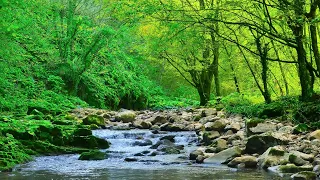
{"x": 124, "y": 145}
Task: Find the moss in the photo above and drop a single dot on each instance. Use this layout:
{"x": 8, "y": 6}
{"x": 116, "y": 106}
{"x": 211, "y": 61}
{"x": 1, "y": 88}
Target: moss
{"x": 291, "y": 168}
{"x": 92, "y": 155}
{"x": 42, "y": 137}
{"x": 276, "y": 152}
{"x": 94, "y": 119}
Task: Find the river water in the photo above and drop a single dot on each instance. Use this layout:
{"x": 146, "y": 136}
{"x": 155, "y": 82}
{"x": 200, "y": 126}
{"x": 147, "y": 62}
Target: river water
{"x": 124, "y": 145}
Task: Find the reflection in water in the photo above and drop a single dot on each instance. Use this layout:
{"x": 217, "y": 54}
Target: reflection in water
{"x": 160, "y": 167}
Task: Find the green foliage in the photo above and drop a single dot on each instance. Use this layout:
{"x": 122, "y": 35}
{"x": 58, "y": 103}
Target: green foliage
{"x": 240, "y": 104}
{"x": 11, "y": 152}
{"x": 163, "y": 102}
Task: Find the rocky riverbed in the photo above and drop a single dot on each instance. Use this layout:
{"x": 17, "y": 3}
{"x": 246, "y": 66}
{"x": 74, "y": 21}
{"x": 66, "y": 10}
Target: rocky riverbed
{"x": 232, "y": 141}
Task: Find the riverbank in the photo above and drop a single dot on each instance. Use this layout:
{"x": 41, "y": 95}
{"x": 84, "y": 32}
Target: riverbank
{"x": 234, "y": 141}
{"x": 23, "y": 137}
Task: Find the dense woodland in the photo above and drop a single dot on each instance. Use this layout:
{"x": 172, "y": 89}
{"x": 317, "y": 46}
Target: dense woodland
{"x": 258, "y": 58}
{"x": 152, "y": 54}
{"x": 57, "y": 55}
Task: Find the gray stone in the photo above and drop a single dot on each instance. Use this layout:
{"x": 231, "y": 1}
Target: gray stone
{"x": 235, "y": 127}
{"x": 160, "y": 119}
{"x": 126, "y": 116}
{"x": 305, "y": 175}
{"x": 194, "y": 154}
{"x": 286, "y": 129}
{"x": 248, "y": 161}
{"x": 218, "y": 125}
{"x": 263, "y": 127}
{"x": 260, "y": 143}
{"x": 224, "y": 156}
{"x": 297, "y": 160}
{"x": 272, "y": 157}
{"x": 200, "y": 159}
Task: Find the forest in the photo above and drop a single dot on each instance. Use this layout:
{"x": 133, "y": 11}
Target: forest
{"x": 254, "y": 58}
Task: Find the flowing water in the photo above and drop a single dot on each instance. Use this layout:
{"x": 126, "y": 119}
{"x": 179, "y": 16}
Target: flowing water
{"x": 124, "y": 145}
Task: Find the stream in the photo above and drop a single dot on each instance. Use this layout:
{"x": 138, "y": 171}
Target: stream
{"x": 124, "y": 145}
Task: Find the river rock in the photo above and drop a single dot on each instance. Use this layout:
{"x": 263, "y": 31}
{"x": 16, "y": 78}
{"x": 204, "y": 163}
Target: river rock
{"x": 169, "y": 137}
{"x": 160, "y": 119}
{"x": 194, "y": 154}
{"x": 220, "y": 144}
{"x": 234, "y": 127}
{"x": 194, "y": 127}
{"x": 204, "y": 120}
{"x": 200, "y": 159}
{"x": 262, "y": 128}
{"x": 126, "y": 116}
{"x": 146, "y": 142}
{"x": 142, "y": 124}
{"x": 130, "y": 159}
{"x": 273, "y": 156}
{"x": 248, "y": 161}
{"x": 218, "y": 125}
{"x": 304, "y": 156}
{"x": 316, "y": 169}
{"x": 209, "y": 112}
{"x": 162, "y": 142}
{"x": 173, "y": 127}
{"x": 169, "y": 149}
{"x": 209, "y": 136}
{"x": 304, "y": 175}
{"x": 260, "y": 143}
{"x": 92, "y": 155}
{"x": 286, "y": 129}
{"x": 291, "y": 168}
{"x": 315, "y": 135}
{"x": 297, "y": 160}
{"x": 224, "y": 156}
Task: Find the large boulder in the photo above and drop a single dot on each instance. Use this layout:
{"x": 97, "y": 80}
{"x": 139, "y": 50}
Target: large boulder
{"x": 224, "y": 156}
{"x": 126, "y": 116}
{"x": 248, "y": 161}
{"x": 92, "y": 155}
{"x": 260, "y": 143}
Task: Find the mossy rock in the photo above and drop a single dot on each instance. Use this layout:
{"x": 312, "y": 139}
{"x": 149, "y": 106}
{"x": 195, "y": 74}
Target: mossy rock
{"x": 291, "y": 168}
{"x": 250, "y": 123}
{"x": 92, "y": 155}
{"x": 94, "y": 119}
{"x": 82, "y": 132}
{"x": 90, "y": 142}
{"x": 304, "y": 175}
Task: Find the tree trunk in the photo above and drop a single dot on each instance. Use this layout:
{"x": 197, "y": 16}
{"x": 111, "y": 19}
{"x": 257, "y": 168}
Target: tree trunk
{"x": 204, "y": 94}
{"x": 305, "y": 81}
